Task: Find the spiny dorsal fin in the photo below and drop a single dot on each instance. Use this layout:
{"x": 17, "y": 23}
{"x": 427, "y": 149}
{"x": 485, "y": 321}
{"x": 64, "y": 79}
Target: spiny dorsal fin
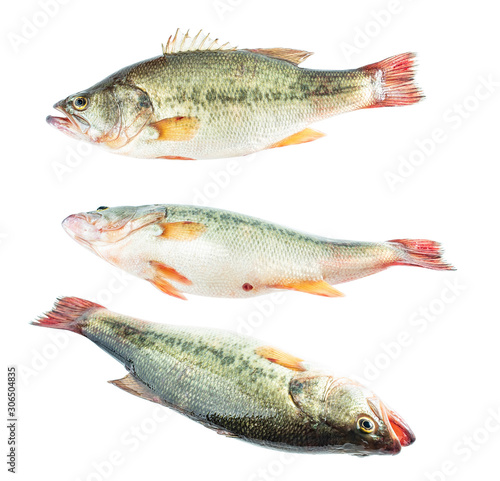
{"x": 289, "y": 54}
{"x": 182, "y": 42}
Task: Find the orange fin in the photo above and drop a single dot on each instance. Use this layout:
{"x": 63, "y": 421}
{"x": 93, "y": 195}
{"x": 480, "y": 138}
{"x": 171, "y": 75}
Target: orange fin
{"x": 306, "y": 135}
{"x": 319, "y": 288}
{"x": 177, "y": 128}
{"x": 289, "y": 54}
{"x": 280, "y": 357}
{"x": 132, "y": 385}
{"x": 182, "y": 231}
{"x": 174, "y": 157}
{"x": 163, "y": 274}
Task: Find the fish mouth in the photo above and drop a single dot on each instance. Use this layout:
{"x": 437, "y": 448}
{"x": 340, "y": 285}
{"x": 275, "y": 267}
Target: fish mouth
{"x": 69, "y": 124}
{"x": 401, "y": 434}
{"x": 400, "y": 428}
{"x": 79, "y": 226}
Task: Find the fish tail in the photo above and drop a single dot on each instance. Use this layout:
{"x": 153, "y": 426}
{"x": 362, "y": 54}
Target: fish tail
{"x": 394, "y": 84}
{"x": 420, "y": 253}
{"x": 68, "y": 313}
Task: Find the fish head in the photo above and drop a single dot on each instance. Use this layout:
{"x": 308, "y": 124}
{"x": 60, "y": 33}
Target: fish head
{"x": 109, "y": 115}
{"x": 108, "y": 226}
{"x": 357, "y": 421}
{"x": 366, "y": 423}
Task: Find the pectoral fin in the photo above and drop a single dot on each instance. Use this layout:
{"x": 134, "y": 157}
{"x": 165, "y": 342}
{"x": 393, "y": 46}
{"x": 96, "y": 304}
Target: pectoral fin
{"x": 218, "y": 430}
{"x": 319, "y": 288}
{"x": 162, "y": 274}
{"x": 134, "y": 386}
{"x": 182, "y": 231}
{"x": 280, "y": 357}
{"x": 176, "y": 129}
{"x": 306, "y": 135}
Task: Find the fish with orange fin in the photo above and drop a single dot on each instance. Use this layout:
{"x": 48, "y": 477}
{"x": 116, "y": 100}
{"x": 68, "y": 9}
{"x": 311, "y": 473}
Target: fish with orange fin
{"x": 211, "y": 252}
{"x": 201, "y": 100}
{"x": 237, "y": 385}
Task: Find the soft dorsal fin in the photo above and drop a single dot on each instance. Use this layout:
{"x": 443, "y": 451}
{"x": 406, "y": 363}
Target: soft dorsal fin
{"x": 289, "y": 54}
{"x": 182, "y": 42}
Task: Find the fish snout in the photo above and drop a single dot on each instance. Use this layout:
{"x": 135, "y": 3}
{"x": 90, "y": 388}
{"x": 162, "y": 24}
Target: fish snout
{"x": 400, "y": 428}
{"x": 69, "y": 123}
{"x": 63, "y": 123}
{"x": 82, "y": 226}
{"x": 401, "y": 434}
{"x": 60, "y": 105}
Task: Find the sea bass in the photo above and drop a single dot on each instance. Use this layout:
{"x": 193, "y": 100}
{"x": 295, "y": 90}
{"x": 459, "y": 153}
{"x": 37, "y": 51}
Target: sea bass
{"x": 211, "y": 252}
{"x": 200, "y": 100}
{"x": 236, "y": 385}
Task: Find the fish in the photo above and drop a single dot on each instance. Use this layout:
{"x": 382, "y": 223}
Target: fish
{"x": 216, "y": 253}
{"x": 202, "y": 100}
{"x": 236, "y": 385}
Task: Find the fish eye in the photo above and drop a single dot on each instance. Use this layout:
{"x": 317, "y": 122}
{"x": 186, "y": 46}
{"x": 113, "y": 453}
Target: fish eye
{"x": 103, "y": 207}
{"x": 366, "y": 425}
{"x": 80, "y": 103}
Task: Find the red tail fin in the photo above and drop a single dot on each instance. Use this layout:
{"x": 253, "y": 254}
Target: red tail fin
{"x": 67, "y": 314}
{"x": 421, "y": 253}
{"x": 396, "y": 75}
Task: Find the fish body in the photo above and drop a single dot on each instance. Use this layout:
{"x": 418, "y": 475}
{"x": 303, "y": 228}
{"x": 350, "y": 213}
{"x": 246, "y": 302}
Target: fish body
{"x": 196, "y": 102}
{"x": 212, "y": 252}
{"x": 237, "y": 385}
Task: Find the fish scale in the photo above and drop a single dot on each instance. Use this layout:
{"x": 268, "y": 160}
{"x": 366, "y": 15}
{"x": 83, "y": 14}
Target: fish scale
{"x": 237, "y": 385}
{"x": 212, "y": 252}
{"x": 196, "y": 102}
{"x": 270, "y": 101}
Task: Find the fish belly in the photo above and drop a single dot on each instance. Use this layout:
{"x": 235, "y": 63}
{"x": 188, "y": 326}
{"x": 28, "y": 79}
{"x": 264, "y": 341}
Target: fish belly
{"x": 238, "y": 256}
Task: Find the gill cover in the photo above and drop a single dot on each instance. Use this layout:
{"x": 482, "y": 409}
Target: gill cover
{"x": 135, "y": 109}
{"x": 309, "y": 391}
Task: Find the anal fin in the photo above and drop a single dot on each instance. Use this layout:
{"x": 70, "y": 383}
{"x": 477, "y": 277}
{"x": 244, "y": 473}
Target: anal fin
{"x": 133, "y": 385}
{"x": 318, "y": 288}
{"x": 174, "y": 157}
{"x": 306, "y": 135}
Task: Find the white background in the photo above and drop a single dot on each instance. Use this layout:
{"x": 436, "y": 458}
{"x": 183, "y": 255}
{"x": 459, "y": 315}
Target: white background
{"x": 444, "y": 381}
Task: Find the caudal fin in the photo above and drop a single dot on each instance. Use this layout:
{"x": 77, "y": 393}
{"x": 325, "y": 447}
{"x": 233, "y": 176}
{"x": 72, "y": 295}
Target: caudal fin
{"x": 395, "y": 81}
{"x": 68, "y": 313}
{"x": 421, "y": 253}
